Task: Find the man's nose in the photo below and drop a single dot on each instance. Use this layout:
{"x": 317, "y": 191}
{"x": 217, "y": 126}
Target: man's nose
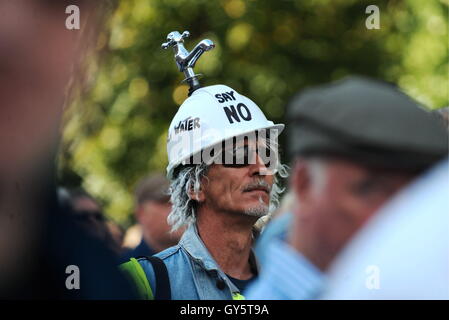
{"x": 258, "y": 167}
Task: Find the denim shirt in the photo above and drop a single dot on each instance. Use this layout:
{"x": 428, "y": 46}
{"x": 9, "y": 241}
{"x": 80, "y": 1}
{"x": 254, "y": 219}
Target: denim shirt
{"x": 193, "y": 273}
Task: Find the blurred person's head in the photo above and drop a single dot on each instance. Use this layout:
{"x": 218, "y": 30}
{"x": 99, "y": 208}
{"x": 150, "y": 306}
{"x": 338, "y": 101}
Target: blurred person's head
{"x": 152, "y": 209}
{"x": 336, "y": 196}
{"x": 350, "y": 164}
{"x": 39, "y": 57}
{"x": 87, "y": 213}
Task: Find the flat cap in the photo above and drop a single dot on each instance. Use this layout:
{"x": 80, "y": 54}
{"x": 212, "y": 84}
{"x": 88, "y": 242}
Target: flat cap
{"x": 152, "y": 188}
{"x": 367, "y": 121}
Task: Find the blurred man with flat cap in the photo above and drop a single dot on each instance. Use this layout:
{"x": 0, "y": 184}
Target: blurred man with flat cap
{"x": 355, "y": 144}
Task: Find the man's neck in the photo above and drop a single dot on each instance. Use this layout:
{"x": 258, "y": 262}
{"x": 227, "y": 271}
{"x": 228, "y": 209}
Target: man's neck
{"x": 150, "y": 242}
{"x": 228, "y": 237}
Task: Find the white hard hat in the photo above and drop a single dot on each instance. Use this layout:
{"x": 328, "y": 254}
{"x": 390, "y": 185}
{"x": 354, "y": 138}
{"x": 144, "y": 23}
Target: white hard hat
{"x": 210, "y": 115}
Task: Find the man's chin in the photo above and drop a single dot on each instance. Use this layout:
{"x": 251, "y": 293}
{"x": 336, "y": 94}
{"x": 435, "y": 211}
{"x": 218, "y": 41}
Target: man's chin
{"x": 258, "y": 211}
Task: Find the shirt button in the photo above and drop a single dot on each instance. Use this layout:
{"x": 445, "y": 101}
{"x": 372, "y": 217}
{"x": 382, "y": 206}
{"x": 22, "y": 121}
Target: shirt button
{"x": 220, "y": 284}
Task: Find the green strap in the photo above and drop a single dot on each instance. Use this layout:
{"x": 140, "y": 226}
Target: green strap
{"x": 135, "y": 271}
{"x": 238, "y": 296}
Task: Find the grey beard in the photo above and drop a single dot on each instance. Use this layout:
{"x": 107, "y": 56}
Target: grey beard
{"x": 258, "y": 211}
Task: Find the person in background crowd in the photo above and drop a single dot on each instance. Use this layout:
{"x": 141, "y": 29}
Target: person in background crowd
{"x": 152, "y": 210}
{"x": 347, "y": 165}
{"x": 39, "y": 239}
{"x": 403, "y": 253}
{"x": 88, "y": 214}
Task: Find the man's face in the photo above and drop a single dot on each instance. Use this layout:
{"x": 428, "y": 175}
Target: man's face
{"x": 87, "y": 214}
{"x": 152, "y": 215}
{"x": 37, "y": 55}
{"x": 336, "y": 202}
{"x": 239, "y": 189}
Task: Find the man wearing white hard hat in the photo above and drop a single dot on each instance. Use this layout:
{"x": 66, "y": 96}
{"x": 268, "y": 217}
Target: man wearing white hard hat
{"x": 223, "y": 170}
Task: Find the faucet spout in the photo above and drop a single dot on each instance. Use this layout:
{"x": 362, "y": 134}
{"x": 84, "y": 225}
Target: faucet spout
{"x": 195, "y": 54}
{"x": 185, "y": 60}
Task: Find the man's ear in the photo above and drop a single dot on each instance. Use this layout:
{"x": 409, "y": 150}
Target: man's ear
{"x": 138, "y": 212}
{"x": 198, "y": 196}
{"x": 300, "y": 181}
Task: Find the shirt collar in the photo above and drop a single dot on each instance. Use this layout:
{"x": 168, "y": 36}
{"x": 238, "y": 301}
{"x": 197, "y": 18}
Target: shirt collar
{"x": 196, "y": 248}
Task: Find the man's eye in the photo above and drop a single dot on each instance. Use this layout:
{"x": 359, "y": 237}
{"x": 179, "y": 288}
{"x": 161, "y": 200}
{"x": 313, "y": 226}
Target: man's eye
{"x": 362, "y": 188}
{"x": 367, "y": 188}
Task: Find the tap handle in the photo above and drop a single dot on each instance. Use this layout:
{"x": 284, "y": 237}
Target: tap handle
{"x": 175, "y": 38}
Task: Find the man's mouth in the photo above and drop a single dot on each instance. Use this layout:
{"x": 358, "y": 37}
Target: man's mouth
{"x": 264, "y": 189}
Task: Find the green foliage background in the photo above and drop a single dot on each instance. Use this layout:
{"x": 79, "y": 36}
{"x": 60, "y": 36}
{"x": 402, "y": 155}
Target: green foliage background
{"x": 265, "y": 49}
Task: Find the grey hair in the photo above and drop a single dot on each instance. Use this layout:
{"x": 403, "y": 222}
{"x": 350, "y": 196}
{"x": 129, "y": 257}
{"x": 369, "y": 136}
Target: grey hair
{"x": 188, "y": 181}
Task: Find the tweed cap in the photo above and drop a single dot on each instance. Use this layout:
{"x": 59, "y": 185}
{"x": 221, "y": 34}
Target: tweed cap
{"x": 367, "y": 121}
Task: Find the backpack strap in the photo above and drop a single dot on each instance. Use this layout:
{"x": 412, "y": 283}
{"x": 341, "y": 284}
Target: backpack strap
{"x": 134, "y": 271}
{"x": 137, "y": 275}
{"x": 163, "y": 290}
